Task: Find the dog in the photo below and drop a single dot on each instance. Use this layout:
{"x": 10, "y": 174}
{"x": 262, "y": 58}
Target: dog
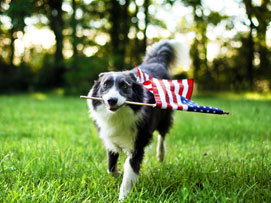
{"x": 126, "y": 128}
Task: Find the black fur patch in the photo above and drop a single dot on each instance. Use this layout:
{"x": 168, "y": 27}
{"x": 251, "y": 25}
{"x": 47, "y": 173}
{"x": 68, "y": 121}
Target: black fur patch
{"x": 94, "y": 93}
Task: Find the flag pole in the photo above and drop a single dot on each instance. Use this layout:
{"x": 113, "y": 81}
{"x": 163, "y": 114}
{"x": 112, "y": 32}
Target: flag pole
{"x": 130, "y": 102}
{"x": 127, "y": 102}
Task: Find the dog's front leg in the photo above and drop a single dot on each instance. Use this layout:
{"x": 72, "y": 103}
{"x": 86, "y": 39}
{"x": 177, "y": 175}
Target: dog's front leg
{"x": 131, "y": 171}
{"x": 112, "y": 163}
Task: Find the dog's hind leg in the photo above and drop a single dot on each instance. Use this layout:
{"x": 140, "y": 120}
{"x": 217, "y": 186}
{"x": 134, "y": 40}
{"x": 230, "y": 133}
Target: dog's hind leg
{"x": 112, "y": 163}
{"x": 160, "y": 149}
{"x": 163, "y": 128}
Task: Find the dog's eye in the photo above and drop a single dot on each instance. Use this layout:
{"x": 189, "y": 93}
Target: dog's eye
{"x": 107, "y": 84}
{"x": 124, "y": 85}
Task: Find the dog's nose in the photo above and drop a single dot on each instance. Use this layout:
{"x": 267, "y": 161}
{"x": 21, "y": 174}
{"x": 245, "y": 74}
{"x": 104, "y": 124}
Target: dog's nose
{"x": 112, "y": 101}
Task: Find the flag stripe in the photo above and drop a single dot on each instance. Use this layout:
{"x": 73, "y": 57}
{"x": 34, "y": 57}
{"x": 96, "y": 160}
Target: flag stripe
{"x": 190, "y": 88}
{"x": 166, "y": 98}
{"x": 156, "y": 93}
{"x": 172, "y": 94}
{"x": 180, "y": 82}
{"x": 139, "y": 74}
{"x": 177, "y": 88}
{"x": 161, "y": 94}
{"x": 185, "y": 88}
{"x": 144, "y": 77}
{"x": 185, "y": 107}
{"x": 166, "y": 93}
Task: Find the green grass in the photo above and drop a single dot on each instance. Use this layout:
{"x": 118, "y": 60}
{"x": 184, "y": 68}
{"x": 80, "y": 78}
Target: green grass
{"x": 50, "y": 152}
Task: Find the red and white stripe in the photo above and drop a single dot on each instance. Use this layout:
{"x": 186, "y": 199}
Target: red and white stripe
{"x": 167, "y": 92}
{"x": 145, "y": 79}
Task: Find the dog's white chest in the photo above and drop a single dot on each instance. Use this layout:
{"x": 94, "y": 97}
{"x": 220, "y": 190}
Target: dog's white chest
{"x": 117, "y": 129}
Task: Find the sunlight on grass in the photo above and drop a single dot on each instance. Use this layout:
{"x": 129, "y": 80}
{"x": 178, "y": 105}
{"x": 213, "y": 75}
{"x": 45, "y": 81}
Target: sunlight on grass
{"x": 39, "y": 96}
{"x": 58, "y": 91}
{"x": 257, "y": 96}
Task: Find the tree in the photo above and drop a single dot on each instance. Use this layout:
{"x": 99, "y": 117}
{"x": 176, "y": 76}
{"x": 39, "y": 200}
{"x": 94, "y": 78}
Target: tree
{"x": 53, "y": 11}
{"x": 202, "y": 71}
{"x": 74, "y": 27}
{"x": 120, "y": 26}
{"x": 250, "y": 56}
{"x": 17, "y": 11}
{"x": 263, "y": 17}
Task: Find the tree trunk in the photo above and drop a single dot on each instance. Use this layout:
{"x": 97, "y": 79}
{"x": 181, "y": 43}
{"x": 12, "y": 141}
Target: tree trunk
{"x": 114, "y": 33}
{"x": 57, "y": 25}
{"x": 146, "y": 11}
{"x": 58, "y": 28}
{"x": 124, "y": 33}
{"x": 74, "y": 24}
{"x": 12, "y": 49}
{"x": 249, "y": 8}
{"x": 137, "y": 41}
{"x": 263, "y": 17}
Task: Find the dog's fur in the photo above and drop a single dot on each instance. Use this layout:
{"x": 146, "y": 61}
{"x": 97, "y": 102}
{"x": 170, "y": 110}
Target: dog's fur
{"x": 129, "y": 128}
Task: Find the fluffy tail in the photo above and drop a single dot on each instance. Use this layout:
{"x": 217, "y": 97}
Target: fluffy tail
{"x": 169, "y": 53}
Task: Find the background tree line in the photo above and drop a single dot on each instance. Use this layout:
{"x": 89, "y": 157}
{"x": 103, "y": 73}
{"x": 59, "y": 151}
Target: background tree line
{"x": 92, "y": 36}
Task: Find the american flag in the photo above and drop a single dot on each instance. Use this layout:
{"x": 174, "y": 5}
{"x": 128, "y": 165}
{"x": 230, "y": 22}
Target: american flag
{"x": 173, "y": 94}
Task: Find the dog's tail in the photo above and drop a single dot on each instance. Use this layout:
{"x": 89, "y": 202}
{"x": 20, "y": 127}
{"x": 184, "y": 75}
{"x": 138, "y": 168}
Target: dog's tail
{"x": 169, "y": 53}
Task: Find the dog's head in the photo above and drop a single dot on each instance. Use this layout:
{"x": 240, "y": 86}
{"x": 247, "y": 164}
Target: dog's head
{"x": 115, "y": 88}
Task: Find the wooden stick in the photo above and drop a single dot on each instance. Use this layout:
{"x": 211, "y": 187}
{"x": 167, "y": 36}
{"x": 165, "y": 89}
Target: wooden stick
{"x": 127, "y": 102}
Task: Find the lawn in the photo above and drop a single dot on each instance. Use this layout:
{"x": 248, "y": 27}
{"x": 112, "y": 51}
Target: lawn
{"x": 50, "y": 151}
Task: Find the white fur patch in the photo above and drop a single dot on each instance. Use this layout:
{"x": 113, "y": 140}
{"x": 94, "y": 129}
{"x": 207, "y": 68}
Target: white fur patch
{"x": 160, "y": 150}
{"x": 182, "y": 54}
{"x": 113, "y": 92}
{"x": 129, "y": 179}
{"x": 117, "y": 129}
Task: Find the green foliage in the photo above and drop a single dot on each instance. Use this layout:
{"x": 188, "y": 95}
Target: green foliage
{"x": 81, "y": 77}
{"x": 46, "y": 75}
{"x": 17, "y": 11}
{"x": 117, "y": 31}
{"x": 19, "y": 78}
{"x": 50, "y": 151}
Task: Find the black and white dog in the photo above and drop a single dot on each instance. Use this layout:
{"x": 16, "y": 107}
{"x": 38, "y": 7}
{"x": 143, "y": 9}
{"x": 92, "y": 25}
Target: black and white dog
{"x": 129, "y": 128}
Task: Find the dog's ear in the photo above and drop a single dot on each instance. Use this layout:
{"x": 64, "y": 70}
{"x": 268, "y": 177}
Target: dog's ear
{"x": 96, "y": 84}
{"x": 101, "y": 74}
{"x": 133, "y": 77}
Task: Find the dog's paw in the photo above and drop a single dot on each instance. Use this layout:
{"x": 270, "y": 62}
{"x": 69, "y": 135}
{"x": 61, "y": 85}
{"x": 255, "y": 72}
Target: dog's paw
{"x": 123, "y": 193}
{"x": 121, "y": 199}
{"x": 114, "y": 173}
{"x": 160, "y": 157}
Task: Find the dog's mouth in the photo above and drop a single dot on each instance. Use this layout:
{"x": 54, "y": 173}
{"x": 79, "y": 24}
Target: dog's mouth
{"x": 113, "y": 108}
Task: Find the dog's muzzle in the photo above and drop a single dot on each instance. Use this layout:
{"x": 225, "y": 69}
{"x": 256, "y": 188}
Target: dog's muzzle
{"x": 112, "y": 104}
{"x": 112, "y": 101}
